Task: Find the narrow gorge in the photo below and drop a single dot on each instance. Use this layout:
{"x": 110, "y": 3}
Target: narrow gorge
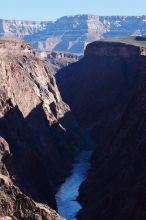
{"x": 74, "y": 145}
{"x": 66, "y": 198}
{"x": 106, "y": 92}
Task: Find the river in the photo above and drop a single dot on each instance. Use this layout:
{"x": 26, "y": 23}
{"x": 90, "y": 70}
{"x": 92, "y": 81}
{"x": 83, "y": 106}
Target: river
{"x": 66, "y": 197}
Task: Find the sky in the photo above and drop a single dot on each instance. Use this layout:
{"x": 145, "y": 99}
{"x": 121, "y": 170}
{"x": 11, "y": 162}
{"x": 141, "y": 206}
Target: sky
{"x": 47, "y": 10}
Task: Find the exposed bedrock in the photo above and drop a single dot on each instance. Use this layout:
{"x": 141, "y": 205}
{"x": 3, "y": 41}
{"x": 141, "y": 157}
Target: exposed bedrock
{"x": 106, "y": 92}
{"x": 38, "y": 126}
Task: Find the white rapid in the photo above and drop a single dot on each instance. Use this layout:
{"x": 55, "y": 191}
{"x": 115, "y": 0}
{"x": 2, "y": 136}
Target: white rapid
{"x": 66, "y": 197}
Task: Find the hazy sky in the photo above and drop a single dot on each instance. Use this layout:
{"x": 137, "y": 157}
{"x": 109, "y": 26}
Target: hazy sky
{"x": 52, "y": 9}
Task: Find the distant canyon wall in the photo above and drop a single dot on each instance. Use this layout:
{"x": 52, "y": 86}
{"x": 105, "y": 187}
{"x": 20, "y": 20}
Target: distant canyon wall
{"x": 73, "y": 33}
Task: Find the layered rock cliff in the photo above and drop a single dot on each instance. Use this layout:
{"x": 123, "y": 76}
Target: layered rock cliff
{"x": 73, "y": 33}
{"x": 38, "y": 127}
{"x": 57, "y": 59}
{"x": 20, "y": 28}
{"x": 106, "y": 92}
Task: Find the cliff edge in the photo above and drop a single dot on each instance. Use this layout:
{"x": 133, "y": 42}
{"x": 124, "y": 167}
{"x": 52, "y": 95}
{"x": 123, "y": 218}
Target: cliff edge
{"x": 39, "y": 129}
{"x": 106, "y": 92}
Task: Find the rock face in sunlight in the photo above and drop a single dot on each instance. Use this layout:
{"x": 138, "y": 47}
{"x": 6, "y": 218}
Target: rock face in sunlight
{"x": 106, "y": 92}
{"x": 20, "y": 28}
{"x": 73, "y": 33}
{"x": 37, "y": 125}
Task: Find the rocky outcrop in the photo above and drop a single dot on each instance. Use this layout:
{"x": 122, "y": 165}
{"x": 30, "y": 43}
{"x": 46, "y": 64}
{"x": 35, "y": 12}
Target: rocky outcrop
{"x": 73, "y": 33}
{"x": 13, "y": 203}
{"x": 93, "y": 77}
{"x": 13, "y": 46}
{"x": 106, "y": 92}
{"x": 125, "y": 48}
{"x": 57, "y": 59}
{"x": 35, "y": 122}
{"x": 60, "y": 59}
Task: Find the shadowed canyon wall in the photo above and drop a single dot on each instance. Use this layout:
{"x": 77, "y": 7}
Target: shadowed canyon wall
{"x": 106, "y": 92}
